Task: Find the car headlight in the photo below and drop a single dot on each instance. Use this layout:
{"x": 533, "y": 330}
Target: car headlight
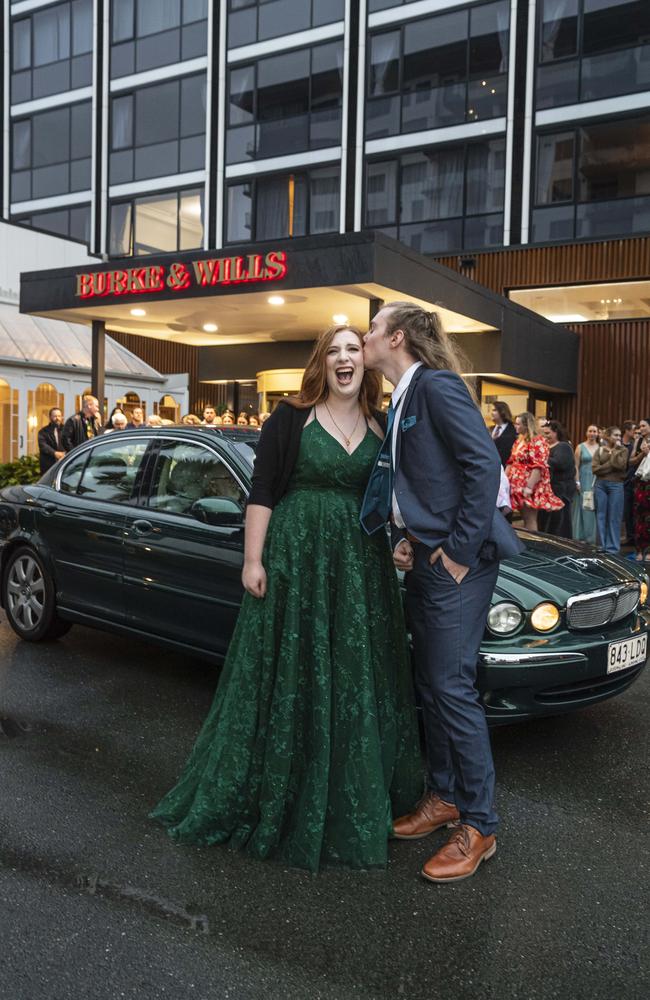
{"x": 504, "y": 618}
{"x": 545, "y": 617}
{"x": 643, "y": 593}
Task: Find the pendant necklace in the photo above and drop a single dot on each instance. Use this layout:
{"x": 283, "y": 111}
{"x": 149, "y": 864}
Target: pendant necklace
{"x": 341, "y": 432}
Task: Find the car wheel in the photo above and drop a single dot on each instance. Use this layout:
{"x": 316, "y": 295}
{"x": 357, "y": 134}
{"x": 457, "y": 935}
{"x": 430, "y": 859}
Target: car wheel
{"x": 28, "y": 598}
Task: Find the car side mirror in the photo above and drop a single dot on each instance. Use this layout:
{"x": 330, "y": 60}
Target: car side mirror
{"x": 219, "y": 511}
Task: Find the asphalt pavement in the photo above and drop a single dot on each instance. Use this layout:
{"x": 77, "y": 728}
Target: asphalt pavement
{"x": 97, "y": 903}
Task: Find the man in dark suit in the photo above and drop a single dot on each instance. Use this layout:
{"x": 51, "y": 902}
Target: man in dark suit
{"x": 437, "y": 475}
{"x": 504, "y": 434}
{"x": 83, "y": 425}
{"x": 50, "y": 440}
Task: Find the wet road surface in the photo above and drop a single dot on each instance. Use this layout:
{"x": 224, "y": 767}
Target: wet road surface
{"x": 97, "y": 903}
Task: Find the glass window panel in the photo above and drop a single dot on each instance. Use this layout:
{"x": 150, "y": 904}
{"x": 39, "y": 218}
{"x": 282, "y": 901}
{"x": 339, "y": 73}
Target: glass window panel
{"x": 157, "y": 160}
{"x": 610, "y": 24}
{"x": 554, "y": 168}
{"x": 192, "y": 153}
{"x": 275, "y": 16}
{"x": 382, "y": 117}
{"x": 121, "y": 166}
{"x": 611, "y": 73}
{"x": 21, "y": 147}
{"x": 80, "y": 175}
{"x": 81, "y": 71}
{"x": 283, "y": 85}
{"x": 613, "y": 218}
{"x": 190, "y": 480}
{"x": 154, "y": 16}
{"x": 82, "y": 27}
{"x": 272, "y": 207}
{"x": 80, "y": 223}
{"x": 51, "y": 29}
{"x": 240, "y": 144}
{"x": 614, "y": 161}
{"x": 239, "y": 213}
{"x": 435, "y": 51}
{"x": 157, "y": 113}
{"x": 432, "y": 185}
{"x": 158, "y": 50}
{"x": 122, "y": 15}
{"x": 111, "y": 471}
{"x": 122, "y": 59}
{"x": 120, "y": 230}
{"x": 241, "y": 89}
{"x": 156, "y": 223}
{"x": 485, "y": 177}
{"x": 384, "y": 63}
{"x": 194, "y": 40}
{"x": 550, "y": 224}
{"x": 557, "y": 84}
{"x": 53, "y": 222}
{"x": 50, "y": 137}
{"x": 80, "y": 130}
{"x": 193, "y": 105}
{"x": 559, "y": 31}
{"x": 190, "y": 220}
{"x": 327, "y": 11}
{"x": 51, "y": 79}
{"x": 122, "y": 122}
{"x": 483, "y": 231}
{"x": 327, "y": 76}
{"x": 242, "y": 27}
{"x": 433, "y": 237}
{"x": 194, "y": 10}
{"x": 324, "y": 200}
{"x": 72, "y": 473}
{"x": 381, "y": 191}
{"x": 48, "y": 181}
{"x": 276, "y": 136}
{"x": 21, "y": 186}
{"x": 325, "y": 128}
{"x": 21, "y": 36}
{"x": 21, "y": 87}
{"x": 488, "y": 47}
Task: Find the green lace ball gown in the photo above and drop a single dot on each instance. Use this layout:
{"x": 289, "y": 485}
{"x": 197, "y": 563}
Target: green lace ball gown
{"x": 311, "y": 743}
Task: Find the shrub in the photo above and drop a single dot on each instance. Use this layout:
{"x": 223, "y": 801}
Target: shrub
{"x": 24, "y": 470}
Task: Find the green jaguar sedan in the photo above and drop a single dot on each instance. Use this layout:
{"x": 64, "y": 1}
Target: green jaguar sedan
{"x": 141, "y": 532}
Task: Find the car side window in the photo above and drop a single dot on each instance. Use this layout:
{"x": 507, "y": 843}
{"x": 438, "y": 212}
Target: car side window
{"x": 111, "y": 471}
{"x": 192, "y": 480}
{"x": 72, "y": 473}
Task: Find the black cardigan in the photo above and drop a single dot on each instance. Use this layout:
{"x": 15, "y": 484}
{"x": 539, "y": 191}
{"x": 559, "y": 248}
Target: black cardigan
{"x": 277, "y": 452}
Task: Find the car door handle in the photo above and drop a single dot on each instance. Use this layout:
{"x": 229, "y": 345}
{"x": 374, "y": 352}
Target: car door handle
{"x": 143, "y": 527}
{"x": 49, "y": 508}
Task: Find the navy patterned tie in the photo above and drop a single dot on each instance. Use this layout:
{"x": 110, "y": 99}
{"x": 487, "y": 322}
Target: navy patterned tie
{"x": 378, "y": 498}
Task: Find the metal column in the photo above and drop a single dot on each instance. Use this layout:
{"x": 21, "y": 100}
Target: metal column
{"x": 98, "y": 363}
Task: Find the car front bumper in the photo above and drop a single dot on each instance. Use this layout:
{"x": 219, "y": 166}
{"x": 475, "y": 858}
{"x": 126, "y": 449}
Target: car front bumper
{"x": 555, "y": 674}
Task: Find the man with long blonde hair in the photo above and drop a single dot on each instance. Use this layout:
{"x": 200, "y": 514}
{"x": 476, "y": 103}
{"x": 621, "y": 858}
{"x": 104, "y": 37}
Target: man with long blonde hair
{"x": 437, "y": 477}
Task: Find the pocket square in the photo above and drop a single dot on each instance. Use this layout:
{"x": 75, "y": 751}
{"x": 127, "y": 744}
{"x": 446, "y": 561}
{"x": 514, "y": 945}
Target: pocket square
{"x": 408, "y": 422}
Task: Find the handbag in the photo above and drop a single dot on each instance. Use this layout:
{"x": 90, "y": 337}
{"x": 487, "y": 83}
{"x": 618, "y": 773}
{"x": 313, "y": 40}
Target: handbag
{"x": 587, "y": 499}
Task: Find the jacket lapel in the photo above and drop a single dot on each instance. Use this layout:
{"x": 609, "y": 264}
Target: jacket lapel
{"x": 407, "y": 402}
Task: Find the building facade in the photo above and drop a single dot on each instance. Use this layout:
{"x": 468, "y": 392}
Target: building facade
{"x": 466, "y": 131}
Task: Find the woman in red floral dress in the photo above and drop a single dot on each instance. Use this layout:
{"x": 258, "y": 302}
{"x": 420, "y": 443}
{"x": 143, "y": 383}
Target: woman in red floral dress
{"x": 528, "y": 473}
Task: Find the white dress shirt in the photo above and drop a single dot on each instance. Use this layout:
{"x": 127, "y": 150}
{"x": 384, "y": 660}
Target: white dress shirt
{"x": 397, "y": 399}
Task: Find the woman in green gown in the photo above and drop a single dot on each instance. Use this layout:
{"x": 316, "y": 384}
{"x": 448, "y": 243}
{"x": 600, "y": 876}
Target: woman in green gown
{"x": 311, "y": 744}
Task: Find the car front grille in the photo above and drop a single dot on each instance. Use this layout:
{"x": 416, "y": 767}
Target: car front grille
{"x": 602, "y": 606}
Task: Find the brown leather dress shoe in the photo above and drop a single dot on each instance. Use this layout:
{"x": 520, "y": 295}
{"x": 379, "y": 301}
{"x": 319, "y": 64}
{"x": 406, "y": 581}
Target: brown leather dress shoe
{"x": 430, "y": 814}
{"x": 461, "y": 855}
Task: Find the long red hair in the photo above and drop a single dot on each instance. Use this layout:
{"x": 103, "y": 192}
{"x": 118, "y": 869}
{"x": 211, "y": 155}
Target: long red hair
{"x": 314, "y": 388}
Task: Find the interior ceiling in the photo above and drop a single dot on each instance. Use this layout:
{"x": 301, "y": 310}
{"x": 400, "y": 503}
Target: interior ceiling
{"x": 587, "y": 303}
{"x": 249, "y": 318}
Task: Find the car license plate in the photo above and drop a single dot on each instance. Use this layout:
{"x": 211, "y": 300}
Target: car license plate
{"x": 621, "y": 655}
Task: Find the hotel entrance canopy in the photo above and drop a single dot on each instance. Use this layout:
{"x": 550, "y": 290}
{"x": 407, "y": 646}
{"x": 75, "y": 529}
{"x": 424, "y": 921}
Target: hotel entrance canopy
{"x": 223, "y": 300}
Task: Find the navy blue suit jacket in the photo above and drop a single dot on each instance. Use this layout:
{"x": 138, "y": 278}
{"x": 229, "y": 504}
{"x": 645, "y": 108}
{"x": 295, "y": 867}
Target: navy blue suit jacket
{"x": 447, "y": 472}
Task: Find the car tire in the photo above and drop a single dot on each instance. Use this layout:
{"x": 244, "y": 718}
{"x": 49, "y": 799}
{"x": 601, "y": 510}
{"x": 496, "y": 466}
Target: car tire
{"x": 28, "y": 596}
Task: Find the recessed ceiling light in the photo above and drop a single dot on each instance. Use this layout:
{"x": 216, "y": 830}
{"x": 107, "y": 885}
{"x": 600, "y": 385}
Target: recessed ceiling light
{"x": 210, "y": 327}
{"x": 340, "y": 319}
{"x": 275, "y": 300}
{"x": 138, "y": 312}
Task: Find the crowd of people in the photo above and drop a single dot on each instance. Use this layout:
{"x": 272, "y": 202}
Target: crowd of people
{"x": 58, "y": 437}
{"x": 587, "y": 493}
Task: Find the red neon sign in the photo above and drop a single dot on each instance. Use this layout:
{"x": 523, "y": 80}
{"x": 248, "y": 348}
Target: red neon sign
{"x": 177, "y": 277}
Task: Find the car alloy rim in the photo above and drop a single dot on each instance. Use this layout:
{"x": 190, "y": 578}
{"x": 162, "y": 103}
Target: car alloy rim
{"x": 26, "y": 592}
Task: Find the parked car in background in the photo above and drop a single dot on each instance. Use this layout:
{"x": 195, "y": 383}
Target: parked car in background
{"x": 142, "y": 533}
